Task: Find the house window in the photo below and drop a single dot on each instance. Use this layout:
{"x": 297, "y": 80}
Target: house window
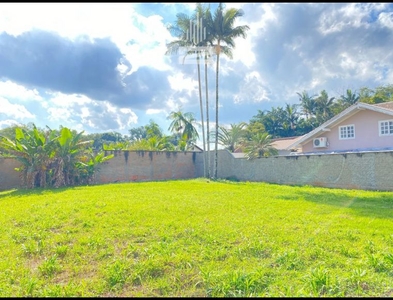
{"x": 347, "y": 132}
{"x": 386, "y": 127}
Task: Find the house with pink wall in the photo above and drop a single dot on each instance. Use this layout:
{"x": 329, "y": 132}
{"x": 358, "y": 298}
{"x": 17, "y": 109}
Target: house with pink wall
{"x": 360, "y": 127}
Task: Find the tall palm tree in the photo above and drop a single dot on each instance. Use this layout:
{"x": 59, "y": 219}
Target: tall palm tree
{"x": 349, "y": 99}
{"x": 307, "y": 103}
{"x": 324, "y": 106}
{"x": 274, "y": 120}
{"x": 207, "y": 20}
{"x": 291, "y": 117}
{"x": 223, "y": 33}
{"x": 208, "y": 169}
{"x": 181, "y": 30}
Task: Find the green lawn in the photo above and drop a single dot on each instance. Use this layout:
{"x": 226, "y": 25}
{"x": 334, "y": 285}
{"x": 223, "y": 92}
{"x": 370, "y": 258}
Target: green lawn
{"x": 196, "y": 238}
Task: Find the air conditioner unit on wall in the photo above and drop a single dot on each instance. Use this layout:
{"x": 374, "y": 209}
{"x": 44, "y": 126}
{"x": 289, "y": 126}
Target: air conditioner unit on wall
{"x": 320, "y": 142}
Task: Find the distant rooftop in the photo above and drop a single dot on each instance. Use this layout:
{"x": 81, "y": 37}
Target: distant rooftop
{"x": 284, "y": 143}
{"x": 386, "y": 105}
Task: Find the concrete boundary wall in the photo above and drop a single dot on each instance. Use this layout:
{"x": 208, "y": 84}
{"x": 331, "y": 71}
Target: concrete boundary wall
{"x": 126, "y": 166}
{"x": 9, "y": 178}
{"x": 129, "y": 166}
{"x": 368, "y": 171}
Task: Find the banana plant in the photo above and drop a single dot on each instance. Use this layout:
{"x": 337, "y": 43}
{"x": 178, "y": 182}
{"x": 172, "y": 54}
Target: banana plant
{"x": 69, "y": 149}
{"x": 51, "y": 157}
{"x": 33, "y": 148}
{"x": 88, "y": 165}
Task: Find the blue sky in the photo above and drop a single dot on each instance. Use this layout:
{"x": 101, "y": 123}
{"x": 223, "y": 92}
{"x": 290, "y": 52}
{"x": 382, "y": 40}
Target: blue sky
{"x": 102, "y": 67}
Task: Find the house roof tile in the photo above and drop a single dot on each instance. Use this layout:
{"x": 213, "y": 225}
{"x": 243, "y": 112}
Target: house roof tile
{"x": 386, "y": 105}
{"x": 283, "y": 143}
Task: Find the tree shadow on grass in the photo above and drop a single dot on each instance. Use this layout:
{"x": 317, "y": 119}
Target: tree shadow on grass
{"x": 21, "y": 192}
{"x": 371, "y": 204}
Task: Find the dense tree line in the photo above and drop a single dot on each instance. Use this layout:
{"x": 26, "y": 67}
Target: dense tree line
{"x": 313, "y": 110}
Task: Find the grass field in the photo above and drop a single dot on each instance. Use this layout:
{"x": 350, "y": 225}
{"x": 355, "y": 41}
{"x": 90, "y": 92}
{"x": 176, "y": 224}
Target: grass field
{"x": 196, "y": 238}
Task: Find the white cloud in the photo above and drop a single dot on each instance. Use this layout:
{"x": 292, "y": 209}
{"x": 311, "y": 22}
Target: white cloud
{"x": 244, "y": 46}
{"x": 59, "y": 114}
{"x": 14, "y": 110}
{"x": 64, "y": 100}
{"x": 386, "y": 19}
{"x": 84, "y": 113}
{"x": 148, "y": 43}
{"x": 175, "y": 104}
{"x": 8, "y": 123}
{"x": 154, "y": 111}
{"x": 92, "y": 19}
{"x": 179, "y": 82}
{"x": 353, "y": 15}
{"x": 252, "y": 89}
{"x": 17, "y": 92}
{"x": 350, "y": 15}
{"x": 141, "y": 39}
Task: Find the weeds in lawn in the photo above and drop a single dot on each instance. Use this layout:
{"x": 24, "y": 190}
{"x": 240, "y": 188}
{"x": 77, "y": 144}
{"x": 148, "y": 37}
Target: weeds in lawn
{"x": 50, "y": 266}
{"x": 117, "y": 274}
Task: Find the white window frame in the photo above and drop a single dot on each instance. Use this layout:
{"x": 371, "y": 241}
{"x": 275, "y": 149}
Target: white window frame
{"x": 352, "y": 126}
{"x": 390, "y": 130}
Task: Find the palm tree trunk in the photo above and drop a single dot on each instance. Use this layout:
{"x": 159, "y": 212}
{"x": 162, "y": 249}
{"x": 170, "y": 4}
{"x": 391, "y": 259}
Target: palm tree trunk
{"x": 216, "y": 142}
{"x": 207, "y": 121}
{"x": 203, "y": 124}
